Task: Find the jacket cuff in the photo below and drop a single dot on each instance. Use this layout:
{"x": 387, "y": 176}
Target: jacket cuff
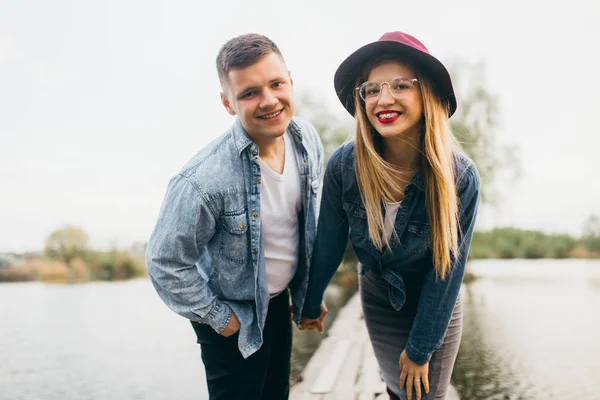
{"x": 311, "y": 313}
{"x": 219, "y": 316}
{"x": 416, "y": 355}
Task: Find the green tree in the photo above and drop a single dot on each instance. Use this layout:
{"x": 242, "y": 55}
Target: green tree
{"x": 475, "y": 125}
{"x": 333, "y": 131}
{"x": 591, "y": 233}
{"x": 507, "y": 242}
{"x": 66, "y": 243}
{"x": 561, "y": 245}
{"x": 5, "y": 261}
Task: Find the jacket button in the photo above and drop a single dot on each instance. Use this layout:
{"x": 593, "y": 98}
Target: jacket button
{"x": 254, "y": 251}
{"x": 255, "y": 215}
{"x": 242, "y": 226}
{"x": 304, "y": 161}
{"x": 256, "y": 180}
{"x": 307, "y": 255}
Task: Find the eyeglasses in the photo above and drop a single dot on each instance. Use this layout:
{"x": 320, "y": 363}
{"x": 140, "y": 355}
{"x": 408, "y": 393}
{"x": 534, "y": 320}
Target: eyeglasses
{"x": 398, "y": 87}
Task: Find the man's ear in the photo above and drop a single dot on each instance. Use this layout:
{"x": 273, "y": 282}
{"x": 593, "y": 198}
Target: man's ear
{"x": 291, "y": 80}
{"x": 226, "y": 104}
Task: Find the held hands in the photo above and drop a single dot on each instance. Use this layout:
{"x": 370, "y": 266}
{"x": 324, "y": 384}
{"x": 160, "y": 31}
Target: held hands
{"x": 316, "y": 323}
{"x": 412, "y": 376}
{"x": 232, "y": 327}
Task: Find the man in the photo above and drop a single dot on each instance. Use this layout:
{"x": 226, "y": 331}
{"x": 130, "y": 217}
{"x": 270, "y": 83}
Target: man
{"x": 237, "y": 225}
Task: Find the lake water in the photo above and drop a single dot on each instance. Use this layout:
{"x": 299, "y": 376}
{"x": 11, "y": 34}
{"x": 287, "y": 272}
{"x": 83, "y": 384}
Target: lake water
{"x": 532, "y": 331}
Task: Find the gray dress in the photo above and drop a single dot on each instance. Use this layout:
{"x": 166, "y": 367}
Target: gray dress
{"x": 389, "y": 330}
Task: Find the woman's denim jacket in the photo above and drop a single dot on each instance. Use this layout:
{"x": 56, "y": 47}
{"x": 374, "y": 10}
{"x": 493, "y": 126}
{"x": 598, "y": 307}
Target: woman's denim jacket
{"x": 407, "y": 261}
{"x": 205, "y": 256}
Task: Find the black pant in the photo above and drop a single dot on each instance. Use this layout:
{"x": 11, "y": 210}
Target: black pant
{"x": 263, "y": 375}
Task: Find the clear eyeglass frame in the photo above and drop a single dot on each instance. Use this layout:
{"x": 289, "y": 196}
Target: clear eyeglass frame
{"x": 397, "y": 86}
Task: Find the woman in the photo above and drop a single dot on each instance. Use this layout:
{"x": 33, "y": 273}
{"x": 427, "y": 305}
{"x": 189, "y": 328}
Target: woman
{"x": 407, "y": 198}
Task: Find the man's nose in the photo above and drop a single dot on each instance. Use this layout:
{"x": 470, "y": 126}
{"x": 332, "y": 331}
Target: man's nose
{"x": 268, "y": 99}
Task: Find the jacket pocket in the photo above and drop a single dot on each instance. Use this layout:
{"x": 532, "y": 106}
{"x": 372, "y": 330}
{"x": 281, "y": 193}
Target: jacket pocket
{"x": 234, "y": 237}
{"x": 357, "y": 222}
{"x": 417, "y": 238}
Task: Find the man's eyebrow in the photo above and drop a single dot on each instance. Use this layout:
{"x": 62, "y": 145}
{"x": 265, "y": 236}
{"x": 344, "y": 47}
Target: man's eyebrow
{"x": 248, "y": 89}
{"x": 251, "y": 88}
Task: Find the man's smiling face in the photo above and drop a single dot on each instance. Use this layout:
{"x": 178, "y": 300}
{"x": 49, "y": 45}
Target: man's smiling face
{"x": 261, "y": 95}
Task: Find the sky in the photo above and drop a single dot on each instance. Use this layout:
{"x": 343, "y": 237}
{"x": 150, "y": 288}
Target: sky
{"x": 102, "y": 102}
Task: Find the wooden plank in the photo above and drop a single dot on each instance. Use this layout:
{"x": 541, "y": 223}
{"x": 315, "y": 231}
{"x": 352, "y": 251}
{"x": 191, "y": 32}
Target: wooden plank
{"x": 345, "y": 385}
{"x": 371, "y": 381}
{"x": 313, "y": 369}
{"x": 329, "y": 374}
{"x": 452, "y": 393}
{"x": 342, "y": 371}
{"x": 303, "y": 396}
{"x": 347, "y": 319}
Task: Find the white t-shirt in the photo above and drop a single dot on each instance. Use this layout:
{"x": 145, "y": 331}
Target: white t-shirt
{"x": 280, "y": 203}
{"x": 390, "y": 218}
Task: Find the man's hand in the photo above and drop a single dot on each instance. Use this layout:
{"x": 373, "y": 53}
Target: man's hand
{"x": 316, "y": 323}
{"x": 232, "y": 327}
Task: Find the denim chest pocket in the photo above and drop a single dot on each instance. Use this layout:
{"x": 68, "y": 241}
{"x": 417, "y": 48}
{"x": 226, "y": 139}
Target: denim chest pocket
{"x": 417, "y": 238}
{"x": 357, "y": 222}
{"x": 234, "y": 236}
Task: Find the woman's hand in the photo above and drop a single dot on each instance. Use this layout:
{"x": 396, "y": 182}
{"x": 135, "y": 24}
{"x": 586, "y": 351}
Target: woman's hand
{"x": 412, "y": 376}
{"x": 316, "y": 323}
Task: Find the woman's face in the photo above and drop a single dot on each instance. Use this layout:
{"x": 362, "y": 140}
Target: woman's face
{"x": 398, "y": 108}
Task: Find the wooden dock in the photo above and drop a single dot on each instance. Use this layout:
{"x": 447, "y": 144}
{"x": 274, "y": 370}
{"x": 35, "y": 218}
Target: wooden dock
{"x": 344, "y": 366}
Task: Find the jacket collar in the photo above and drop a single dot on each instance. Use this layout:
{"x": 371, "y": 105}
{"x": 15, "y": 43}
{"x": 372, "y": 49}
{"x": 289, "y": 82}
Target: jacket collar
{"x": 242, "y": 140}
{"x": 418, "y": 180}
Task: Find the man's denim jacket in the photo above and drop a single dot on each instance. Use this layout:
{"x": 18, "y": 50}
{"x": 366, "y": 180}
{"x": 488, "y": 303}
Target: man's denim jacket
{"x": 205, "y": 256}
{"x": 407, "y": 265}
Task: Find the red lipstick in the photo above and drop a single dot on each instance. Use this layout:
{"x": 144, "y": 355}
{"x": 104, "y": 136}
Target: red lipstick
{"x": 387, "y": 120}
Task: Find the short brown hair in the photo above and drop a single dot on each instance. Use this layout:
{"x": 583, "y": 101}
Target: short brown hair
{"x": 243, "y": 51}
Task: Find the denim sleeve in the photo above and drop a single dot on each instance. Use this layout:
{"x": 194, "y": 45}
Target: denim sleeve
{"x": 438, "y": 297}
{"x": 331, "y": 239}
{"x": 185, "y": 224}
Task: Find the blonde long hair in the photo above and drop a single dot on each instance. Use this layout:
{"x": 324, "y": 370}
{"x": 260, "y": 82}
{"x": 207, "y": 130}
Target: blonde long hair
{"x": 378, "y": 179}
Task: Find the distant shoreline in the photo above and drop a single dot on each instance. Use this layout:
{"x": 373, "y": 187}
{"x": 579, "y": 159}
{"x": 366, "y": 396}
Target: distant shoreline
{"x": 51, "y": 271}
{"x": 116, "y": 268}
